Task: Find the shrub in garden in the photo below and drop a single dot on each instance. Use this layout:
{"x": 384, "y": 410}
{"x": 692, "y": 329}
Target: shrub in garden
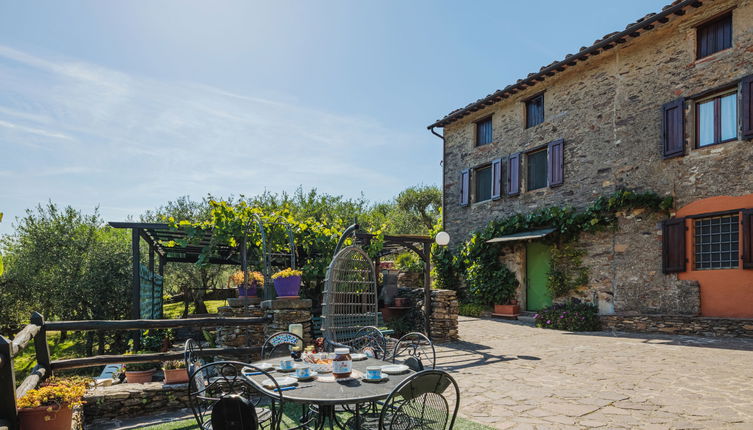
{"x": 472, "y": 309}
{"x": 570, "y": 316}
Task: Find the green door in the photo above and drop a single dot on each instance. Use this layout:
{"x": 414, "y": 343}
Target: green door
{"x": 537, "y": 267}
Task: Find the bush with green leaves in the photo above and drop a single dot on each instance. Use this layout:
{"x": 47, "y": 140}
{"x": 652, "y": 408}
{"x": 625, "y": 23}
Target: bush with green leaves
{"x": 472, "y": 310}
{"x": 566, "y": 272}
{"x": 491, "y": 282}
{"x": 409, "y": 262}
{"x": 573, "y": 315}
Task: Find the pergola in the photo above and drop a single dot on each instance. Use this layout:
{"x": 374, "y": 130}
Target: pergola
{"x": 394, "y": 244}
{"x": 156, "y": 235}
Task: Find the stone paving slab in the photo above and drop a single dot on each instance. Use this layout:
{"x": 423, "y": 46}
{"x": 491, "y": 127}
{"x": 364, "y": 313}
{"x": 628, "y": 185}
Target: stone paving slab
{"x": 514, "y": 376}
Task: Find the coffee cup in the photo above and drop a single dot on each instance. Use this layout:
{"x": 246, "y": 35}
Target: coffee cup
{"x": 373, "y": 372}
{"x": 286, "y": 364}
{"x": 303, "y": 372}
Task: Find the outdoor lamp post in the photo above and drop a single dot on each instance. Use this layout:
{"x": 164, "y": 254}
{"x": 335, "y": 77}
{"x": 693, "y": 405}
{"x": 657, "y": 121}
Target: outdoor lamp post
{"x": 442, "y": 238}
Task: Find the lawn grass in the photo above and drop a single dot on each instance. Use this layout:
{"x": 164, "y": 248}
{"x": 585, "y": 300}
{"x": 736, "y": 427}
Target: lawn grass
{"x": 25, "y": 361}
{"x": 175, "y": 310}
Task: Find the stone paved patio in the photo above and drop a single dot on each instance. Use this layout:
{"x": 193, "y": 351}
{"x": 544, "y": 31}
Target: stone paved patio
{"x": 516, "y": 376}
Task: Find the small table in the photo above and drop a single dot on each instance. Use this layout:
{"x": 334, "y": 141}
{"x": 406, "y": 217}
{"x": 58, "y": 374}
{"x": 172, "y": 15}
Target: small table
{"x": 327, "y": 395}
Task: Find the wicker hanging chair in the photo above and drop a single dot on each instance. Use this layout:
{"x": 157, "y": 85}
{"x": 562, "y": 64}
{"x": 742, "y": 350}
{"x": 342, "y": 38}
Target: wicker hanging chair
{"x": 350, "y": 295}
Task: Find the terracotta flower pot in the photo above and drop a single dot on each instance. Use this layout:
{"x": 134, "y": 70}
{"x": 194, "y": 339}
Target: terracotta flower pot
{"x": 139, "y": 377}
{"x": 46, "y": 418}
{"x": 176, "y": 376}
{"x": 288, "y": 287}
{"x": 507, "y": 309}
{"x": 400, "y": 302}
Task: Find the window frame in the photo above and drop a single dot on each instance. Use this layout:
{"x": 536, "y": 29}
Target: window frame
{"x": 699, "y": 27}
{"x": 477, "y": 125}
{"x": 475, "y": 182}
{"x": 716, "y": 97}
{"x": 695, "y": 234}
{"x": 539, "y": 149}
{"x": 527, "y": 103}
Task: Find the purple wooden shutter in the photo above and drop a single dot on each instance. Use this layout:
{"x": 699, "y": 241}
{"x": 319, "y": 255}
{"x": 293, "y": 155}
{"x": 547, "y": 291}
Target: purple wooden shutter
{"x": 747, "y": 256}
{"x": 513, "y": 174}
{"x": 465, "y": 186}
{"x": 556, "y": 166}
{"x": 673, "y": 129}
{"x": 673, "y": 245}
{"x": 746, "y": 91}
{"x": 496, "y": 179}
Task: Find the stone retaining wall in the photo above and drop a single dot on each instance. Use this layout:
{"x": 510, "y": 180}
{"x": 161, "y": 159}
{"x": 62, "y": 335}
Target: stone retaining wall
{"x": 444, "y": 312}
{"x": 678, "y": 324}
{"x": 122, "y": 400}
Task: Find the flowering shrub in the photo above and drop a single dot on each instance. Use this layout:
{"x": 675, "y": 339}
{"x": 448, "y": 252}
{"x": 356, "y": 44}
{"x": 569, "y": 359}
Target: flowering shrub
{"x": 174, "y": 364}
{"x": 571, "y": 316}
{"x": 57, "y": 393}
{"x": 287, "y": 273}
{"x": 253, "y": 277}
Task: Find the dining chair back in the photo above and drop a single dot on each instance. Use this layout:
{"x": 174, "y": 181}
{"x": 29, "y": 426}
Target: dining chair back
{"x": 213, "y": 382}
{"x": 416, "y": 351}
{"x": 192, "y": 356}
{"x": 427, "y": 400}
{"x": 280, "y": 344}
{"x": 234, "y": 413}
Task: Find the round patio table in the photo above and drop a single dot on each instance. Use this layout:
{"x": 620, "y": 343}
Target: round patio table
{"x": 327, "y": 395}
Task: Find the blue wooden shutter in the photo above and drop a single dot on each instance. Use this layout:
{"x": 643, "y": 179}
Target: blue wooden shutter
{"x": 556, "y": 168}
{"x": 496, "y": 179}
{"x": 673, "y": 129}
{"x": 746, "y": 102}
{"x": 465, "y": 186}
{"x": 673, "y": 245}
{"x": 513, "y": 174}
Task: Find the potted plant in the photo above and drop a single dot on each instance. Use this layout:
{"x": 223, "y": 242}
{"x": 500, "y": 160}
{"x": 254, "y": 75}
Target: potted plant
{"x": 50, "y": 407}
{"x": 247, "y": 289}
{"x": 494, "y": 287}
{"x": 139, "y": 373}
{"x": 175, "y": 372}
{"x": 287, "y": 282}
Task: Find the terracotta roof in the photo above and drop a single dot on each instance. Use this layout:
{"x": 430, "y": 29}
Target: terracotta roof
{"x": 609, "y": 41}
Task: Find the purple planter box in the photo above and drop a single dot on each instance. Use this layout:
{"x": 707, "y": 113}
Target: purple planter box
{"x": 288, "y": 287}
{"x": 247, "y": 291}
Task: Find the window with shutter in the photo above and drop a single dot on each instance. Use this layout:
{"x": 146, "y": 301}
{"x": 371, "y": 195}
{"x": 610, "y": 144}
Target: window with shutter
{"x": 714, "y": 36}
{"x": 537, "y": 173}
{"x": 484, "y": 132}
{"x": 673, "y": 245}
{"x": 513, "y": 174}
{"x": 673, "y": 129}
{"x": 465, "y": 186}
{"x": 746, "y": 106}
{"x": 482, "y": 178}
{"x": 535, "y": 111}
{"x": 497, "y": 179}
{"x": 716, "y": 119}
{"x": 556, "y": 163}
{"x": 747, "y": 256}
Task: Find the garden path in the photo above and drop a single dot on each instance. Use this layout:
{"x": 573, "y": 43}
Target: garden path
{"x": 514, "y": 376}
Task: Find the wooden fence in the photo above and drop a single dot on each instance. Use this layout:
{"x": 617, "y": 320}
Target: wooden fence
{"x": 37, "y": 330}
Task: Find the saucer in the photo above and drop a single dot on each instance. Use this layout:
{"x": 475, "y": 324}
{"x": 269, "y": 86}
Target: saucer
{"x": 308, "y": 378}
{"x": 280, "y": 369}
{"x": 358, "y": 356}
{"x": 383, "y": 378}
{"x": 395, "y": 369}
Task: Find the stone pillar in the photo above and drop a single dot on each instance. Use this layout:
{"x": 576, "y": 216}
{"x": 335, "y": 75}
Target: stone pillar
{"x": 444, "y": 316}
{"x": 289, "y": 311}
{"x": 239, "y": 337}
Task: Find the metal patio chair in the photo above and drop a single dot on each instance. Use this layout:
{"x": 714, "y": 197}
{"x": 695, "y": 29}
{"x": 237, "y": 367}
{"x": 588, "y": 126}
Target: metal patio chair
{"x": 427, "y": 400}
{"x": 219, "y": 395}
{"x": 279, "y": 345}
{"x": 416, "y": 351}
{"x": 192, "y": 356}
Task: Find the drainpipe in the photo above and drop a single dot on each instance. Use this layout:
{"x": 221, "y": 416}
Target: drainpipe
{"x": 444, "y": 152}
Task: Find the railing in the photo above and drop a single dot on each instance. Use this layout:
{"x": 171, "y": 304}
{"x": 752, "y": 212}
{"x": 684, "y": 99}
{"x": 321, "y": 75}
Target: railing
{"x": 37, "y": 331}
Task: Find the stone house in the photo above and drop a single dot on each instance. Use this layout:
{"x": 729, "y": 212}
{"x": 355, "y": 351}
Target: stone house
{"x": 665, "y": 105}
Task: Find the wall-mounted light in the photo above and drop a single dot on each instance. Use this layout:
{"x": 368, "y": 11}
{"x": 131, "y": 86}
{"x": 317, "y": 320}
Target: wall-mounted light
{"x": 442, "y": 238}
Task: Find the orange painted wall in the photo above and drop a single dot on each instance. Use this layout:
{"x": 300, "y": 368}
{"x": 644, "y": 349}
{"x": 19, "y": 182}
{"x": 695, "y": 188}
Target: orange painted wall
{"x": 724, "y": 292}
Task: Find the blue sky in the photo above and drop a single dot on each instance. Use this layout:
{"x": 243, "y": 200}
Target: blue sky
{"x": 125, "y": 105}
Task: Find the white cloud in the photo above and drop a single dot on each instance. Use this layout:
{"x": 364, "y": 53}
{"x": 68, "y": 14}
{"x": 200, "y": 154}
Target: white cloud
{"x": 125, "y": 141}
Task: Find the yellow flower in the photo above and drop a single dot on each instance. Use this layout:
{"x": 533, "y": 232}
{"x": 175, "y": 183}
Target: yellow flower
{"x": 287, "y": 273}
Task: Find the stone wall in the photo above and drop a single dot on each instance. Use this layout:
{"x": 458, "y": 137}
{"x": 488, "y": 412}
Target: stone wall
{"x": 443, "y": 320}
{"x": 678, "y": 324}
{"x": 236, "y": 336}
{"x": 608, "y": 111}
{"x": 122, "y": 400}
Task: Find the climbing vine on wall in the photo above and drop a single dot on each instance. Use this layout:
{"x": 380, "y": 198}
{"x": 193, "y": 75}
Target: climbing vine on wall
{"x": 566, "y": 270}
{"x": 476, "y": 259}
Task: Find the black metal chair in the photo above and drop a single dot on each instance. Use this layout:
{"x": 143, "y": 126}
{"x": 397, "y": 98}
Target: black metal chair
{"x": 426, "y": 400}
{"x": 416, "y": 351}
{"x": 192, "y": 356}
{"x": 214, "y": 390}
{"x": 368, "y": 340}
{"x": 279, "y": 345}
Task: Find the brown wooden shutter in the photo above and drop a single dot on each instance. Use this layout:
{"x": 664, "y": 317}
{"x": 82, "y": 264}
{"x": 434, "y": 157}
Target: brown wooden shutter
{"x": 513, "y": 174}
{"x": 673, "y": 245}
{"x": 465, "y": 186}
{"x": 497, "y": 179}
{"x": 673, "y": 129}
{"x": 747, "y": 256}
{"x": 556, "y": 166}
{"x": 746, "y": 93}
